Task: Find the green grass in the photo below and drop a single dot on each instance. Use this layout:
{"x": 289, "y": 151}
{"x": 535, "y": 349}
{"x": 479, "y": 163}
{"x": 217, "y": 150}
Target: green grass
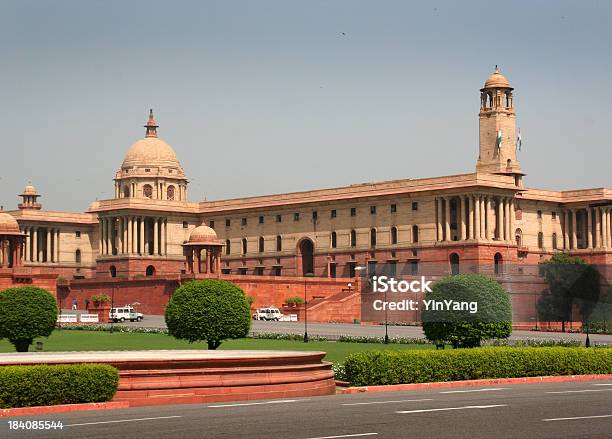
{"x": 105, "y": 341}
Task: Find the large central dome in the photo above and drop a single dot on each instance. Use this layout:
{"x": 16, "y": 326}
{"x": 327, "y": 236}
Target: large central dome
{"x": 150, "y": 151}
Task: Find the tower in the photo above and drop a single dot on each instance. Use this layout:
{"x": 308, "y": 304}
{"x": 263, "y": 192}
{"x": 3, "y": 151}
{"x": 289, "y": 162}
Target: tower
{"x": 497, "y": 126}
{"x": 30, "y": 198}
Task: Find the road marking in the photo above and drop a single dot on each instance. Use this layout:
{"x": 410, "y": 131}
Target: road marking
{"x": 602, "y": 384}
{"x": 582, "y": 391}
{"x": 345, "y": 435}
{"x": 388, "y": 402}
{"x": 122, "y": 420}
{"x": 282, "y": 401}
{"x": 465, "y": 407}
{"x": 577, "y": 417}
{"x": 491, "y": 389}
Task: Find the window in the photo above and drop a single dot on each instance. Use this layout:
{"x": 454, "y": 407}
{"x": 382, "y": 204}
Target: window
{"x": 353, "y": 239}
{"x": 333, "y": 214}
{"x": 77, "y": 234}
{"x": 554, "y": 241}
{"x": 261, "y": 244}
{"x": 261, "y": 219}
{"x": 150, "y": 270}
{"x": 554, "y": 215}
{"x": 279, "y": 218}
{"x": 315, "y": 215}
{"x": 243, "y": 221}
{"x": 414, "y": 268}
{"x": 147, "y": 191}
{"x": 113, "y": 271}
{"x": 353, "y": 211}
{"x": 279, "y": 243}
{"x": 126, "y": 191}
{"x": 394, "y": 235}
{"x": 211, "y": 224}
{"x": 351, "y": 266}
{"x": 540, "y": 240}
{"x": 77, "y": 256}
{"x": 371, "y": 269}
{"x": 296, "y": 216}
{"x": 415, "y": 234}
{"x": 259, "y": 271}
{"x": 278, "y": 271}
{"x": 498, "y": 260}
{"x": 373, "y": 210}
{"x": 244, "y": 246}
{"x": 415, "y": 206}
{"x": 228, "y": 247}
{"x": 372, "y": 237}
{"x": 392, "y": 268}
{"x": 334, "y": 240}
{"x": 539, "y": 214}
{"x": 332, "y": 270}
{"x": 147, "y": 170}
{"x": 185, "y": 225}
{"x": 393, "y": 208}
{"x": 454, "y": 263}
{"x": 170, "y": 193}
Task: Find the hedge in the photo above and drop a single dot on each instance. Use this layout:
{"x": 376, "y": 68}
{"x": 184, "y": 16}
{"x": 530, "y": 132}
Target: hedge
{"x": 40, "y": 385}
{"x": 420, "y": 366}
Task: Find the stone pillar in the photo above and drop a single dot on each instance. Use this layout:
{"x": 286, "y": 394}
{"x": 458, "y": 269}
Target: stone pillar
{"x": 511, "y": 219}
{"x": 57, "y": 245}
{"x": 470, "y": 202}
{"x": 207, "y": 271}
{"x": 141, "y": 245}
{"x": 477, "y": 218}
{"x": 461, "y": 218}
{"x": 488, "y": 219}
{"x": 163, "y": 237}
{"x": 28, "y": 239}
{"x": 439, "y": 219}
{"x": 447, "y": 214}
{"x": 574, "y": 241}
{"x": 589, "y": 228}
{"x": 48, "y": 252}
{"x": 605, "y": 220}
{"x": 155, "y": 236}
{"x": 2, "y": 253}
{"x": 566, "y": 240}
{"x": 499, "y": 220}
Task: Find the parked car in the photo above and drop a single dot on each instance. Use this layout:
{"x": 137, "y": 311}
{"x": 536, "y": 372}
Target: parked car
{"x": 125, "y": 313}
{"x": 268, "y": 313}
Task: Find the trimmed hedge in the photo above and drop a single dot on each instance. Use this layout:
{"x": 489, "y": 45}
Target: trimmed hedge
{"x": 39, "y": 385}
{"x": 420, "y": 366}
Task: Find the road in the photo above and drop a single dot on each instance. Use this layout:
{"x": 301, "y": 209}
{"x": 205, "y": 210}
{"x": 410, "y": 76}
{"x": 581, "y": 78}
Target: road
{"x": 555, "y": 410}
{"x": 333, "y": 330}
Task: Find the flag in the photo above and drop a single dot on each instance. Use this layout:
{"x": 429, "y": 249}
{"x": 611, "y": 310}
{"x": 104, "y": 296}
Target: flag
{"x": 519, "y": 140}
{"x": 499, "y": 140}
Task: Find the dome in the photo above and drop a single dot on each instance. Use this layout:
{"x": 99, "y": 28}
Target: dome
{"x": 29, "y": 190}
{"x": 497, "y": 80}
{"x": 151, "y": 151}
{"x": 202, "y": 234}
{"x": 8, "y": 225}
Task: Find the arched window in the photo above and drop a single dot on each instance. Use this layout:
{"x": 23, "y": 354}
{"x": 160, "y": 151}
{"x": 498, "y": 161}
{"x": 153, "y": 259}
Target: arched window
{"x": 244, "y": 246}
{"x": 334, "y": 240}
{"x": 353, "y": 238}
{"x": 126, "y": 191}
{"x": 415, "y": 234}
{"x": 540, "y": 240}
{"x": 393, "y": 235}
{"x": 554, "y": 241}
{"x": 518, "y": 237}
{"x": 150, "y": 270}
{"x": 279, "y": 243}
{"x": 170, "y": 192}
{"x": 228, "y": 247}
{"x": 147, "y": 191}
{"x": 509, "y": 163}
{"x": 498, "y": 263}
{"x": 113, "y": 271}
{"x": 454, "y": 263}
{"x": 77, "y": 256}
{"x": 372, "y": 237}
{"x": 261, "y": 244}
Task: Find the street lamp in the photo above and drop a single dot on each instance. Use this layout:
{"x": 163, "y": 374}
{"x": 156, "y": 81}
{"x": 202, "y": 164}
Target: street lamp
{"x": 306, "y": 308}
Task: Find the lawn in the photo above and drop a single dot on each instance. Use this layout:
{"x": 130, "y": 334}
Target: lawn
{"x": 105, "y": 341}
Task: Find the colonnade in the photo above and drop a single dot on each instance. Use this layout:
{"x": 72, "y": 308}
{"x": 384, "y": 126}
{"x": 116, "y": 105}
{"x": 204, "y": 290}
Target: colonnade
{"x": 476, "y": 216}
{"x": 212, "y": 263}
{"x": 42, "y": 244}
{"x": 587, "y": 227}
{"x": 133, "y": 235}
{"x": 11, "y": 251}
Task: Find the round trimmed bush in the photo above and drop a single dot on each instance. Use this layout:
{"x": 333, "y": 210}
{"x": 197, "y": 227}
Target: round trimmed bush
{"x": 26, "y": 313}
{"x": 208, "y": 310}
{"x": 462, "y": 328}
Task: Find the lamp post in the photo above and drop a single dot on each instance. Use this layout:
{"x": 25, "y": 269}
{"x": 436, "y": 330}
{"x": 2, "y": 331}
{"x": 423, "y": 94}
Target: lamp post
{"x": 306, "y": 308}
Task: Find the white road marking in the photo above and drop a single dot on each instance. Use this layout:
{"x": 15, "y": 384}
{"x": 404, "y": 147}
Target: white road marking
{"x": 345, "y": 435}
{"x": 388, "y": 402}
{"x": 466, "y": 407}
{"x": 603, "y": 384}
{"x": 491, "y": 389}
{"x": 582, "y": 391}
{"x": 281, "y": 401}
{"x": 122, "y": 420}
{"x": 577, "y": 417}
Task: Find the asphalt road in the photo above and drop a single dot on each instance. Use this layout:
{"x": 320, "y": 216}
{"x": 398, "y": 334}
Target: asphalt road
{"x": 557, "y": 410}
{"x": 336, "y": 329}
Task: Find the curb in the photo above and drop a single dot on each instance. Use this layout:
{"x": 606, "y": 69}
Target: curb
{"x": 468, "y": 383}
{"x": 40, "y": 410}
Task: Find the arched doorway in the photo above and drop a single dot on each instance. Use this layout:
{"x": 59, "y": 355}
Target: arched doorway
{"x": 454, "y": 263}
{"x": 498, "y": 259}
{"x": 150, "y": 270}
{"x": 306, "y": 256}
{"x": 113, "y": 271}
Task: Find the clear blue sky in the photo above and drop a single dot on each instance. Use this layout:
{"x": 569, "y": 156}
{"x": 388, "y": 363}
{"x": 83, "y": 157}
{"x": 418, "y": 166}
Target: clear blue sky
{"x": 260, "y": 97}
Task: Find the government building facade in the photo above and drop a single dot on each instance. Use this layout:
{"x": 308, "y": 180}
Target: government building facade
{"x": 150, "y": 229}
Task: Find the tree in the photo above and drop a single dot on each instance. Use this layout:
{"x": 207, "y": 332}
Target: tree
{"x": 490, "y": 317}
{"x": 26, "y": 313}
{"x": 208, "y": 310}
{"x": 570, "y": 281}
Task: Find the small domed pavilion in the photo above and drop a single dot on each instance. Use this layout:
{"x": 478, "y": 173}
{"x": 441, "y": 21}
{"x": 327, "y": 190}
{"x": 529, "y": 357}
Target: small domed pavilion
{"x": 203, "y": 239}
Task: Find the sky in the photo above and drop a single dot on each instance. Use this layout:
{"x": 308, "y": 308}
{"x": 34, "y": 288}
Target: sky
{"x": 272, "y": 96}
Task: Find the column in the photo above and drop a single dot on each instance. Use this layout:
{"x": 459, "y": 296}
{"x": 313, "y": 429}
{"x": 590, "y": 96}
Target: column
{"x": 511, "y": 219}
{"x": 499, "y": 220}
{"x": 47, "y": 256}
{"x": 605, "y": 221}
{"x": 129, "y": 235}
{"x": 163, "y": 237}
{"x": 156, "y": 236}
{"x": 488, "y": 219}
{"x": 573, "y": 241}
{"x": 447, "y": 212}
{"x": 589, "y": 228}
{"x": 207, "y": 271}
{"x": 566, "y": 240}
{"x": 27, "y": 243}
{"x": 477, "y": 217}
{"x": 439, "y": 219}
{"x": 141, "y": 246}
{"x": 470, "y": 202}
{"x": 506, "y": 219}
{"x": 57, "y": 245}
{"x": 461, "y": 218}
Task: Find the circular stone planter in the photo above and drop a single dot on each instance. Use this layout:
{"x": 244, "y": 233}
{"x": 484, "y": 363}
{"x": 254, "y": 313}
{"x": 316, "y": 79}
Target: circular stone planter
{"x": 199, "y": 376}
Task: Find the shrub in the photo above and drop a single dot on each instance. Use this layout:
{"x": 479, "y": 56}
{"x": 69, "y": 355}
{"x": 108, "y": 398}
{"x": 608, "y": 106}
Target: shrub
{"x": 493, "y": 318}
{"x": 294, "y": 301}
{"x": 28, "y": 386}
{"x": 208, "y": 310}
{"x": 26, "y": 313}
{"x": 420, "y": 366}
{"x": 98, "y": 299}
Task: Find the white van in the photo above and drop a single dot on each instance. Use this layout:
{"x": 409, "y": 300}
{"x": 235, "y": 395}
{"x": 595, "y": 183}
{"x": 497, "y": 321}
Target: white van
{"x": 125, "y": 313}
{"x": 268, "y": 313}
